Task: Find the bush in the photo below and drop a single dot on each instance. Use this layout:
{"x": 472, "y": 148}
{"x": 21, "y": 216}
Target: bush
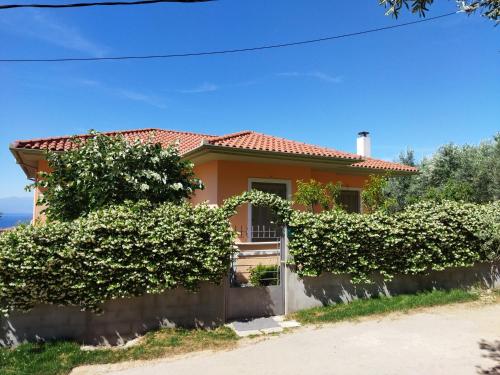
{"x": 264, "y": 275}
{"x": 120, "y": 251}
{"x": 426, "y": 236}
{"x": 105, "y": 170}
{"x": 374, "y": 196}
{"x": 137, "y": 248}
{"x": 313, "y": 193}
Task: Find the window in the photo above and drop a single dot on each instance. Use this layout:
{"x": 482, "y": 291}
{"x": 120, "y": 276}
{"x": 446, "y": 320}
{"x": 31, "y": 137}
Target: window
{"x": 263, "y": 219}
{"x": 350, "y": 200}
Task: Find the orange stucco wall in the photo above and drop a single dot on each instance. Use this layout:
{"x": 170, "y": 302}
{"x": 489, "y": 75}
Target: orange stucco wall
{"x": 43, "y": 166}
{"x": 350, "y": 181}
{"x": 208, "y": 173}
{"x": 225, "y": 178}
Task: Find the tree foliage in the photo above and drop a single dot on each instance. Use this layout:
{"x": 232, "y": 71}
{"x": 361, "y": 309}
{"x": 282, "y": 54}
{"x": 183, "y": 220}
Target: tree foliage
{"x": 105, "y": 170}
{"x": 462, "y": 173}
{"x": 488, "y": 8}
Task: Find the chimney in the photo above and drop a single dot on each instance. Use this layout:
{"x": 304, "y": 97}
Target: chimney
{"x": 364, "y": 144}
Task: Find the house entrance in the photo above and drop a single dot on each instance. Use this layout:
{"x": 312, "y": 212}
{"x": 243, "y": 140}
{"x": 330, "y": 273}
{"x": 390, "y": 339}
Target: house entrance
{"x": 258, "y": 269}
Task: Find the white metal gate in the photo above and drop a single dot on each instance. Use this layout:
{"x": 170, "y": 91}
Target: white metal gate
{"x": 256, "y": 281}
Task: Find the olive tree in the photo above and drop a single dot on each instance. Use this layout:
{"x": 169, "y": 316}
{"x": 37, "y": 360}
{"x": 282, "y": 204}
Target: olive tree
{"x": 468, "y": 173}
{"x": 488, "y": 8}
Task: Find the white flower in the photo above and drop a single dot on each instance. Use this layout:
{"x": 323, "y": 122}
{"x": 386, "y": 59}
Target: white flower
{"x": 177, "y": 186}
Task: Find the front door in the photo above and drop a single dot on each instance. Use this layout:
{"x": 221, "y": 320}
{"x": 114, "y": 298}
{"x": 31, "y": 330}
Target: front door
{"x": 263, "y": 220}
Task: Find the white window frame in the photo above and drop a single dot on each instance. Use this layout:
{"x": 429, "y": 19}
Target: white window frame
{"x": 360, "y": 196}
{"x": 288, "y": 184}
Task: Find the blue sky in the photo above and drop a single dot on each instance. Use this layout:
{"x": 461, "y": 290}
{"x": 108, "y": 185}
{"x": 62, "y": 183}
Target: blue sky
{"x": 418, "y": 87}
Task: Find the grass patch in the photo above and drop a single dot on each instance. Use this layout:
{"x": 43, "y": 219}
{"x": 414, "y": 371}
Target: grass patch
{"x": 61, "y": 357}
{"x": 381, "y": 305}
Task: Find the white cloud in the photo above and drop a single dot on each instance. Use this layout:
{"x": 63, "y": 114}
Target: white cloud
{"x": 205, "y": 87}
{"x": 123, "y": 93}
{"x": 140, "y": 97}
{"x": 317, "y": 75}
{"x": 41, "y": 26}
{"x": 89, "y": 82}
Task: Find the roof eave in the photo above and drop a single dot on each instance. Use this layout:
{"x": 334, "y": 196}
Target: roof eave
{"x": 383, "y": 170}
{"x": 205, "y": 147}
{"x": 29, "y": 170}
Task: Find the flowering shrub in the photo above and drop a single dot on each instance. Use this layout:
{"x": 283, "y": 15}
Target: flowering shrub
{"x": 120, "y": 251}
{"x": 282, "y": 207}
{"x": 102, "y": 170}
{"x": 425, "y": 236}
{"x": 137, "y": 248}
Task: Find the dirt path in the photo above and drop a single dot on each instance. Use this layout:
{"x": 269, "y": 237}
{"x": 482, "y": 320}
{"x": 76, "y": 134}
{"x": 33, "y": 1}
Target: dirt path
{"x": 444, "y": 340}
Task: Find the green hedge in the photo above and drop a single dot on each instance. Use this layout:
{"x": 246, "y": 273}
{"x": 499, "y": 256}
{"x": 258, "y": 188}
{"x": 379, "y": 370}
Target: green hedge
{"x": 122, "y": 251}
{"x": 138, "y": 248}
{"x": 426, "y": 236}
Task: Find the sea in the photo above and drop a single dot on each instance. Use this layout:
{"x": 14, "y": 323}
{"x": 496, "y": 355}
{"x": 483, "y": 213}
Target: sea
{"x": 11, "y": 220}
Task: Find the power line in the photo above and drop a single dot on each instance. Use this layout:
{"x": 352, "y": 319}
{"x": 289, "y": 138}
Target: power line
{"x": 227, "y": 51}
{"x": 103, "y": 3}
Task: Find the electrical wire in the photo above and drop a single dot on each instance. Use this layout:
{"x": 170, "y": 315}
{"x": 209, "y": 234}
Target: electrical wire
{"x": 101, "y": 3}
{"x": 227, "y": 51}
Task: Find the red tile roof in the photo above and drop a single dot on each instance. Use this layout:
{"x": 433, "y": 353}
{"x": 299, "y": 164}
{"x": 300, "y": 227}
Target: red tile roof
{"x": 187, "y": 140}
{"x": 371, "y": 163}
{"x": 257, "y": 141}
{"x": 248, "y": 140}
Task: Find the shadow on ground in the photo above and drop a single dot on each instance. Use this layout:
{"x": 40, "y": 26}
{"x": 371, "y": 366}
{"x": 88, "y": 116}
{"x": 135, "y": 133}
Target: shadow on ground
{"x": 490, "y": 350}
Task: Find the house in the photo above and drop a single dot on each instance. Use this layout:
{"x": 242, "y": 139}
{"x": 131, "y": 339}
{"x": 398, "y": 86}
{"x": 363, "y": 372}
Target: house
{"x": 232, "y": 163}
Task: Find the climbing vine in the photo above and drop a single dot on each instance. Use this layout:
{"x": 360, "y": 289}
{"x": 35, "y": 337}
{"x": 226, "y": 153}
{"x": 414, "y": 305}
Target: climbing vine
{"x": 282, "y": 207}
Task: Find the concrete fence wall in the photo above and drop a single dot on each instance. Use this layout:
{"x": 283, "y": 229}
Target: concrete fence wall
{"x": 329, "y": 289}
{"x": 122, "y": 319}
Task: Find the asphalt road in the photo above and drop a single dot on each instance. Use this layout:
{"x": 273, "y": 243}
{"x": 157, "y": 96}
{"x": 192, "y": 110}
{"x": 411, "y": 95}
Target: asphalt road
{"x": 445, "y": 340}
